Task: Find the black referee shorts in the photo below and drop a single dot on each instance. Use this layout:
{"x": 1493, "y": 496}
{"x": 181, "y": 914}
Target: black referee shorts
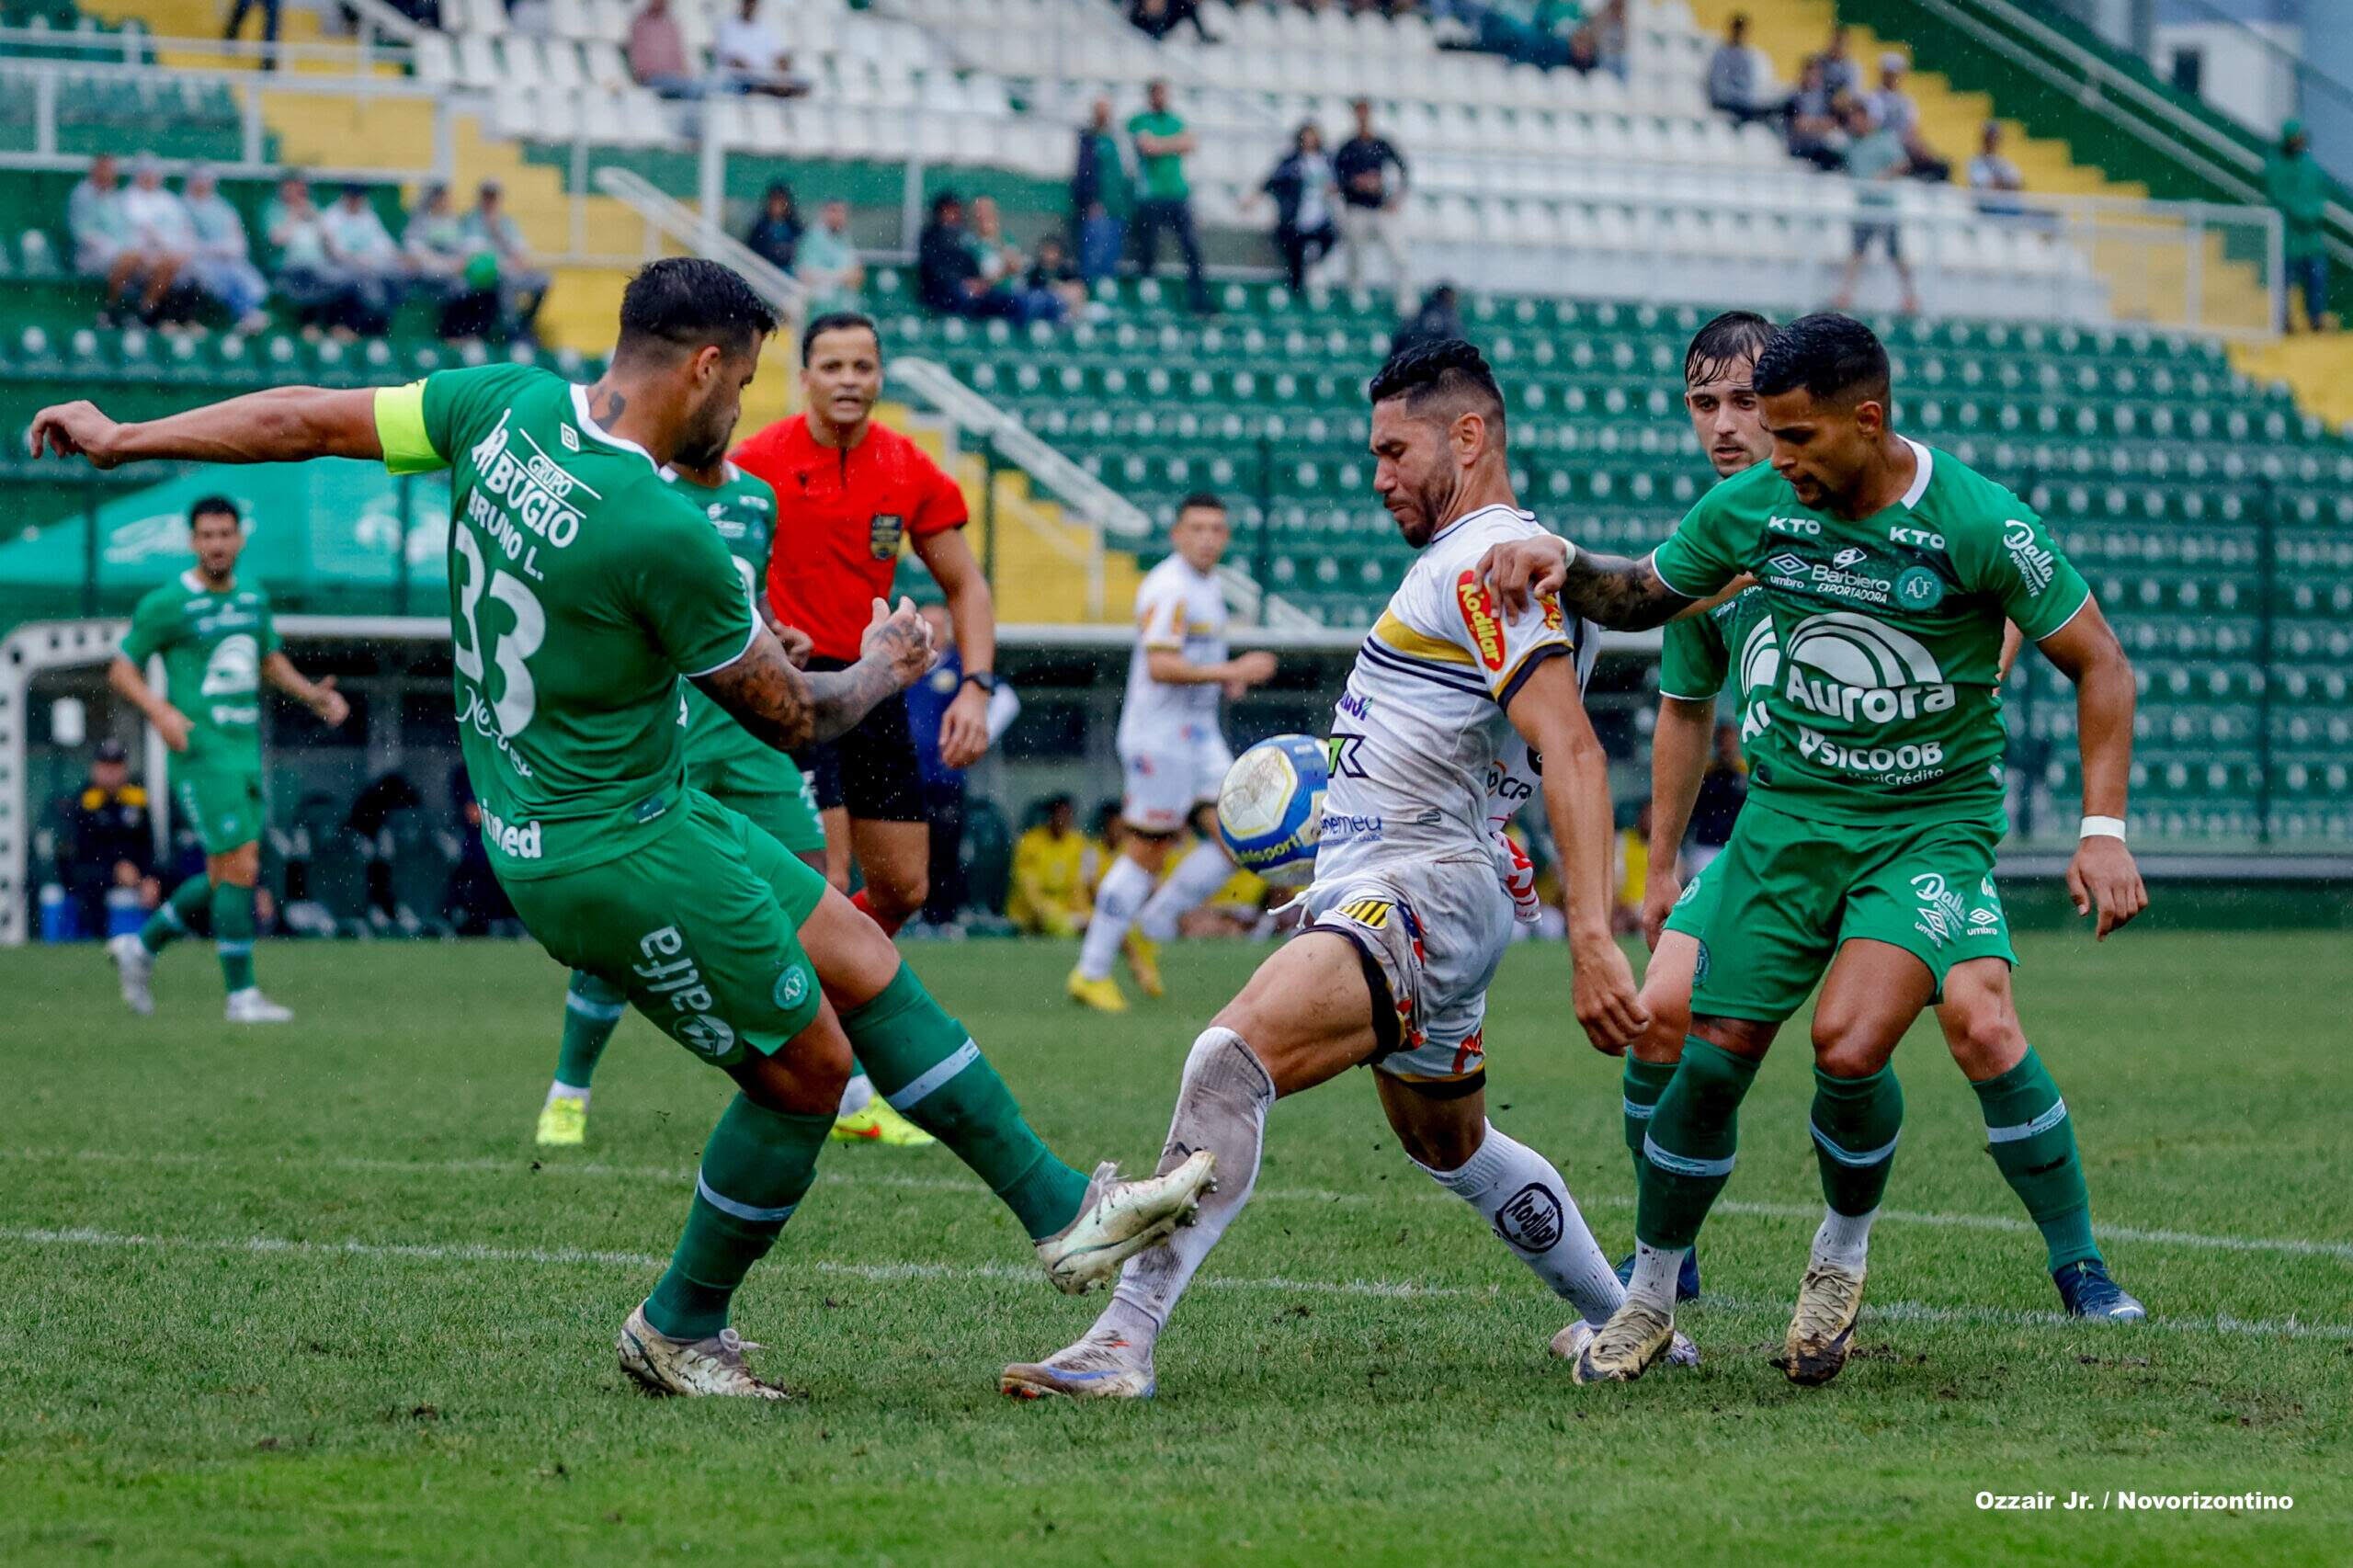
{"x": 871, "y": 770}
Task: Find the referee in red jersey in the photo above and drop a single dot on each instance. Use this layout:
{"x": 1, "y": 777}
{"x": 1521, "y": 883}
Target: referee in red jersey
{"x": 847, "y": 492}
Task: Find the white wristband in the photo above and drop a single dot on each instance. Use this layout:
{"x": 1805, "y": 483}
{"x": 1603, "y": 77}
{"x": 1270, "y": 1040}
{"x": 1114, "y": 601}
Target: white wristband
{"x": 2103, "y": 827}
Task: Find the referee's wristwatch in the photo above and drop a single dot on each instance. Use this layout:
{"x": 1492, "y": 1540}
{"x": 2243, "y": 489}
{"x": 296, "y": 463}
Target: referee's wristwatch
{"x": 981, "y": 678}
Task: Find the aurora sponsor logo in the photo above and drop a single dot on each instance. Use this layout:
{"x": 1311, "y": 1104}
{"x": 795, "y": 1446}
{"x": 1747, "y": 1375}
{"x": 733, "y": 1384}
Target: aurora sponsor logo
{"x": 1855, "y": 669}
{"x": 2036, "y": 565}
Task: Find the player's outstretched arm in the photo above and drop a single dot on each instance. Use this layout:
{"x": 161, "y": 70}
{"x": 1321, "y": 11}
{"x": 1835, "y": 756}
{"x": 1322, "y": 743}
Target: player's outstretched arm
{"x": 318, "y": 696}
{"x": 1622, "y": 595}
{"x": 788, "y": 708}
{"x": 1550, "y": 715}
{"x": 282, "y": 425}
{"x": 2103, "y": 877}
{"x": 1679, "y": 746}
{"x": 170, "y": 723}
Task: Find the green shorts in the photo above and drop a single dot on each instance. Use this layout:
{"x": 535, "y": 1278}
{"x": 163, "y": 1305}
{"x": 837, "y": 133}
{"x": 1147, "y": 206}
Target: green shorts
{"x": 1696, "y": 901}
{"x": 222, "y": 804}
{"x": 700, "y": 930}
{"x": 771, "y": 789}
{"x": 1787, "y": 893}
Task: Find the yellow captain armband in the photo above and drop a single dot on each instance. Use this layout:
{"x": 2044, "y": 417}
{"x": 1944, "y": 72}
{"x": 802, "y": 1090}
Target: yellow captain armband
{"x": 399, "y": 430}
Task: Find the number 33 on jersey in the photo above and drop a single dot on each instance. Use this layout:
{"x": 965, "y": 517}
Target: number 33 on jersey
{"x": 581, "y": 587}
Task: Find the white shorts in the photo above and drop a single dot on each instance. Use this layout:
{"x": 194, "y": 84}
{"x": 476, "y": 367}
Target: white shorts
{"x": 1436, "y": 931}
{"x": 1163, "y": 778}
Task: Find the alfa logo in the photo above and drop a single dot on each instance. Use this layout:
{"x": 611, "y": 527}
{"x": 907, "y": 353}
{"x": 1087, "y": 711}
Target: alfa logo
{"x": 1787, "y": 565}
{"x": 1479, "y": 617}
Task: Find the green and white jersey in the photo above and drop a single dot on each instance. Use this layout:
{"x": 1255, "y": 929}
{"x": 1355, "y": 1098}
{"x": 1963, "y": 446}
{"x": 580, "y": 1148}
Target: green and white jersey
{"x": 212, "y": 645}
{"x": 1885, "y": 693}
{"x": 1698, "y": 653}
{"x": 581, "y": 587}
{"x": 743, "y": 509}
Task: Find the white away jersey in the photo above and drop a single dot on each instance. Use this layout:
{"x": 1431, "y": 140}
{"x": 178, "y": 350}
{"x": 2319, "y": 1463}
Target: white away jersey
{"x": 1179, "y": 609}
{"x": 1424, "y": 761}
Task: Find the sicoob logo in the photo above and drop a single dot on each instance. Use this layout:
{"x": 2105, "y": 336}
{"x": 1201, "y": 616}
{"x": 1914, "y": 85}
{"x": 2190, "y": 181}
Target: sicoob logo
{"x": 1478, "y": 615}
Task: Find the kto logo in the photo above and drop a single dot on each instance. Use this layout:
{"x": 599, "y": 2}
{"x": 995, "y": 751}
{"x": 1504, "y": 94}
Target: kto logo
{"x": 1921, "y": 537}
{"x": 1792, "y": 526}
{"x": 1479, "y": 617}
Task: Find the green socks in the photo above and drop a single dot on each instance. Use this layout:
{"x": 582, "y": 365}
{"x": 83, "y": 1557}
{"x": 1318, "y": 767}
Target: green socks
{"x": 927, "y": 1066}
{"x": 592, "y": 1011}
{"x": 1643, "y": 1082}
{"x": 1854, "y": 1124}
{"x": 188, "y": 912}
{"x": 756, "y": 1168}
{"x": 1688, "y": 1155}
{"x": 2034, "y": 1143}
{"x": 233, "y": 935}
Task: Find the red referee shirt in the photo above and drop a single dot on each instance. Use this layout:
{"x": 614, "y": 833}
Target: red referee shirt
{"x": 840, "y": 513}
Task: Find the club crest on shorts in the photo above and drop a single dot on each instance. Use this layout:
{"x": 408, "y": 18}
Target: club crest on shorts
{"x": 883, "y": 531}
{"x": 791, "y": 986}
{"x": 1530, "y": 1219}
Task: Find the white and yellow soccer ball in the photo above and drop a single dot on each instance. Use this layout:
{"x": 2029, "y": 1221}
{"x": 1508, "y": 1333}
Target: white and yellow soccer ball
{"x": 1271, "y": 806}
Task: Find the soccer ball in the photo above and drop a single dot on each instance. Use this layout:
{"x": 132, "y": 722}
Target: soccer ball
{"x": 1271, "y": 806}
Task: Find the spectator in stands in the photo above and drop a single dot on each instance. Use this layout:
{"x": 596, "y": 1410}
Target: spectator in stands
{"x": 1162, "y": 142}
{"x": 1372, "y": 195}
{"x": 1876, "y": 157}
{"x": 1051, "y": 268}
{"x": 1005, "y": 270}
{"x": 1099, "y": 194}
{"x": 657, "y": 53}
{"x": 362, "y": 250}
{"x": 434, "y": 250}
{"x": 160, "y": 228}
{"x": 1814, "y": 132}
{"x": 1995, "y": 180}
{"x": 775, "y": 234}
{"x": 751, "y": 58}
{"x": 2295, "y": 183}
{"x": 220, "y": 263}
{"x": 1893, "y": 107}
{"x": 1158, "y": 18}
{"x": 304, "y": 277}
{"x": 488, "y": 230}
{"x": 1839, "y": 73}
{"x": 1740, "y": 79}
{"x": 827, "y": 264}
{"x": 106, "y": 241}
{"x": 268, "y": 28}
{"x": 1603, "y": 36}
{"x": 106, "y": 842}
{"x": 1304, "y": 190}
{"x": 1438, "y": 321}
{"x": 1548, "y": 34}
{"x": 1050, "y": 897}
{"x": 948, "y": 273}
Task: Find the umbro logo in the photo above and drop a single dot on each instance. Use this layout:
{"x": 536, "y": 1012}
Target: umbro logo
{"x": 1787, "y": 564}
{"x": 571, "y": 438}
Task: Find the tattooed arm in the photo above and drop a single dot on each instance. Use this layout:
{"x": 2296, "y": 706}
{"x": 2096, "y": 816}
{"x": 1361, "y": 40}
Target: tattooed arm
{"x": 1622, "y": 595}
{"x": 788, "y": 708}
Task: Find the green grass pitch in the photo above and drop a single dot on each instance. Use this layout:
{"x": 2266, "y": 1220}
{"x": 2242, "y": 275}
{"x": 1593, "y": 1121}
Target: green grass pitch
{"x": 305, "y": 1295}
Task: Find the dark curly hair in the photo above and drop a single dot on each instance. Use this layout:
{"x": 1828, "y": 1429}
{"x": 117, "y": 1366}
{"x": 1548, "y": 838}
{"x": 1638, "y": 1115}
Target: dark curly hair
{"x": 1449, "y": 368}
{"x": 1830, "y": 358}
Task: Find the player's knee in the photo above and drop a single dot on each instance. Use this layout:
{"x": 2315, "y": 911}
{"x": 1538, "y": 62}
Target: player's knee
{"x": 1984, "y": 1037}
{"x": 1670, "y": 1022}
{"x": 1850, "y": 1048}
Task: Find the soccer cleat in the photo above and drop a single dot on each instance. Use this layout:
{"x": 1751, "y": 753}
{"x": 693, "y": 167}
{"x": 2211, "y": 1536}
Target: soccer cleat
{"x": 1119, "y": 1218}
{"x": 878, "y": 1123}
{"x": 1099, "y": 1366}
{"x": 1144, "y": 962}
{"x": 691, "y": 1367}
{"x": 1103, "y": 994}
{"x": 250, "y": 1006}
{"x": 563, "y": 1122}
{"x": 137, "y": 967}
{"x": 1687, "y": 1279}
{"x": 1829, "y": 1300}
{"x": 1636, "y": 1336}
{"x": 2090, "y": 1293}
{"x": 1570, "y": 1343}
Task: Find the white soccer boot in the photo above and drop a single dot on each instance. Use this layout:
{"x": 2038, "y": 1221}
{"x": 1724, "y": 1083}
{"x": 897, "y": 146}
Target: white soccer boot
{"x": 1829, "y": 1300}
{"x": 137, "y": 967}
{"x": 1570, "y": 1343}
{"x": 691, "y": 1367}
{"x": 1100, "y": 1365}
{"x": 1637, "y": 1335}
{"x": 250, "y": 1006}
{"x": 1119, "y": 1218}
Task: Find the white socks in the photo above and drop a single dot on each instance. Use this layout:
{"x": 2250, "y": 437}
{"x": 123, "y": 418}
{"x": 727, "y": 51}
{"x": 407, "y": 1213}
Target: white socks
{"x": 1655, "y": 1269}
{"x": 857, "y": 1095}
{"x": 1844, "y": 1239}
{"x": 564, "y": 1092}
{"x": 1519, "y": 1194}
{"x": 1122, "y": 893}
{"x": 1221, "y": 1107}
{"x": 1192, "y": 884}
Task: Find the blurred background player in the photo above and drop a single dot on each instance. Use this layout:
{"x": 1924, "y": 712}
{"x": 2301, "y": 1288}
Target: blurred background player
{"x": 1173, "y": 757}
{"x": 219, "y": 644}
{"x": 734, "y": 767}
{"x": 848, "y": 493}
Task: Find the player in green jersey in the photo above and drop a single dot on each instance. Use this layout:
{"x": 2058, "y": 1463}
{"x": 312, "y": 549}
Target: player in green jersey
{"x": 219, "y": 644}
{"x": 1866, "y": 848}
{"x": 731, "y": 766}
{"x": 582, "y": 587}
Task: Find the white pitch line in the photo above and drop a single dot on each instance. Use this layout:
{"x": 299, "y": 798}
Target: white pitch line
{"x": 883, "y": 1272}
{"x": 485, "y": 1165}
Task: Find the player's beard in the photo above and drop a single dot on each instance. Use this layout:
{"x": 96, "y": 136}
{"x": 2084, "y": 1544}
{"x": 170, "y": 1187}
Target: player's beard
{"x": 704, "y": 443}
